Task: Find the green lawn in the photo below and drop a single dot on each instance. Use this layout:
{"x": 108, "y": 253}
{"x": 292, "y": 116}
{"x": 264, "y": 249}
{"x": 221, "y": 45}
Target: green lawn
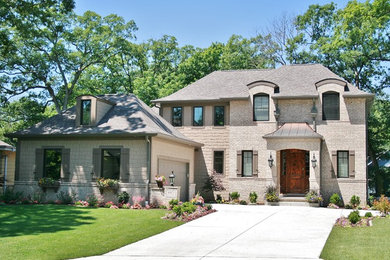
{"x": 359, "y": 243}
{"x": 58, "y": 232}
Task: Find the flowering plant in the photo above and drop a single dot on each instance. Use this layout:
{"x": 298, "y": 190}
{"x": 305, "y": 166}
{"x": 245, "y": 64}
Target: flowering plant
{"x": 313, "y": 197}
{"x": 107, "y": 184}
{"x": 160, "y": 178}
{"x": 81, "y": 203}
{"x": 126, "y": 206}
{"x": 47, "y": 181}
{"x": 109, "y": 204}
{"x": 198, "y": 200}
{"x": 137, "y": 200}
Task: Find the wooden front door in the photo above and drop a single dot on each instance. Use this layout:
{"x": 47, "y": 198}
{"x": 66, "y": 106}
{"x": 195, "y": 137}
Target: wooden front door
{"x": 295, "y": 177}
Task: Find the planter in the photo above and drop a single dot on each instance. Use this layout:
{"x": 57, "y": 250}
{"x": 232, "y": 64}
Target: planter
{"x": 112, "y": 189}
{"x": 272, "y": 203}
{"x": 160, "y": 184}
{"x": 314, "y": 204}
{"x": 55, "y": 186}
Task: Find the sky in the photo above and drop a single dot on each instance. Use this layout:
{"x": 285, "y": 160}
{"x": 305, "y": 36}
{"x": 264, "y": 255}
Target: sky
{"x": 199, "y": 23}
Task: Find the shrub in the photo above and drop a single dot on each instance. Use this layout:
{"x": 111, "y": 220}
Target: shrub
{"x": 198, "y": 200}
{"x": 186, "y": 207}
{"x": 11, "y": 197}
{"x": 371, "y": 200}
{"x": 253, "y": 197}
{"x": 313, "y": 197}
{"x": 92, "y": 201}
{"x": 209, "y": 206}
{"x": 368, "y": 215}
{"x": 270, "y": 194}
{"x": 162, "y": 207}
{"x": 383, "y": 205}
{"x": 126, "y": 206}
{"x": 336, "y": 199}
{"x": 81, "y": 203}
{"x": 109, "y": 204}
{"x": 348, "y": 206}
{"x": 123, "y": 197}
{"x": 354, "y": 217}
{"x": 243, "y": 202}
{"x": 173, "y": 203}
{"x": 355, "y": 201}
{"x": 214, "y": 182}
{"x": 65, "y": 198}
{"x": 219, "y": 199}
{"x": 234, "y": 195}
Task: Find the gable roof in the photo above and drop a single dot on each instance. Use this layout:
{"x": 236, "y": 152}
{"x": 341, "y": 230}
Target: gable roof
{"x": 294, "y": 130}
{"x": 6, "y": 147}
{"x": 294, "y": 81}
{"x": 129, "y": 116}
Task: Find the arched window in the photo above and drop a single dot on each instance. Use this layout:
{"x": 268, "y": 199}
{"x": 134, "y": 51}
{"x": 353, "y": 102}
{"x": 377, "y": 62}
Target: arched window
{"x": 261, "y": 107}
{"x": 330, "y": 106}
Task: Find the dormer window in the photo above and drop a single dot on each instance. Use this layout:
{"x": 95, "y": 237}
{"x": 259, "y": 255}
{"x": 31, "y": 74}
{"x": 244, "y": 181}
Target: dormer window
{"x": 261, "y": 107}
{"x": 330, "y": 106}
{"x": 85, "y": 112}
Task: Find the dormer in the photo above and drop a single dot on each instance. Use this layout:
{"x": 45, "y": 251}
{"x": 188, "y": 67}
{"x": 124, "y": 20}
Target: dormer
{"x": 90, "y": 110}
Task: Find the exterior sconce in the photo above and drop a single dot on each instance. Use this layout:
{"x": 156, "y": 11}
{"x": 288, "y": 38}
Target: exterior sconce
{"x": 172, "y": 178}
{"x": 270, "y": 161}
{"x": 314, "y": 161}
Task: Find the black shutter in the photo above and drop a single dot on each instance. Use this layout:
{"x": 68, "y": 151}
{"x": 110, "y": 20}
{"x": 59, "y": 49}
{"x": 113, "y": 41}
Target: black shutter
{"x": 255, "y": 163}
{"x": 96, "y": 162}
{"x": 239, "y": 163}
{"x": 125, "y": 169}
{"x": 351, "y": 161}
{"x": 334, "y": 164}
{"x": 38, "y": 172}
{"x": 65, "y": 169}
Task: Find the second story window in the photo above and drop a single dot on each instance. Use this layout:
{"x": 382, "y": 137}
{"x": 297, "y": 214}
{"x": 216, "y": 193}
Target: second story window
{"x": 177, "y": 116}
{"x": 330, "y": 106}
{"x": 197, "y": 116}
{"x": 219, "y": 116}
{"x": 85, "y": 112}
{"x": 261, "y": 107}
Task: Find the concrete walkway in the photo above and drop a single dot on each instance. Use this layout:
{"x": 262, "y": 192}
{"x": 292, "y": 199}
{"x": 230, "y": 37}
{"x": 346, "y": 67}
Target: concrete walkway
{"x": 240, "y": 232}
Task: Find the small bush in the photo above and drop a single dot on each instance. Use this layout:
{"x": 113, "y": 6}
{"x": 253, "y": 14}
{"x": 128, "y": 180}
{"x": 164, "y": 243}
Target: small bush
{"x": 219, "y": 198}
{"x": 162, "y": 207}
{"x": 11, "y": 197}
{"x": 209, "y": 206}
{"x": 355, "y": 201}
{"x": 371, "y": 200}
{"x": 383, "y": 205}
{"x": 186, "y": 207}
{"x": 38, "y": 197}
{"x": 109, "y": 204}
{"x": 368, "y": 215}
{"x": 92, "y": 201}
{"x": 123, "y": 197}
{"x": 243, "y": 202}
{"x": 173, "y": 203}
{"x": 253, "y": 197}
{"x": 234, "y": 195}
{"x": 65, "y": 198}
{"x": 354, "y": 217}
{"x": 336, "y": 199}
{"x": 270, "y": 194}
{"x": 348, "y": 206}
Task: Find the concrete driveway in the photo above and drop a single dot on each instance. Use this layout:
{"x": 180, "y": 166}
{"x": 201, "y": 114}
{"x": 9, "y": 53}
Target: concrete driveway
{"x": 240, "y": 232}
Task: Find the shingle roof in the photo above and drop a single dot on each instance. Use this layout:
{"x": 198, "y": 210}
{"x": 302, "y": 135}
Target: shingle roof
{"x": 129, "y": 116}
{"x": 294, "y": 130}
{"x": 5, "y": 146}
{"x": 292, "y": 80}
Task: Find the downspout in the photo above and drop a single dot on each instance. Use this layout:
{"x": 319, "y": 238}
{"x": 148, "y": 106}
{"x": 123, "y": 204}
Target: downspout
{"x": 5, "y": 171}
{"x": 148, "y": 165}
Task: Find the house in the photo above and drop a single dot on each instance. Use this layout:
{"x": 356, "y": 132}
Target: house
{"x": 7, "y": 165}
{"x": 297, "y": 128}
{"x": 110, "y": 136}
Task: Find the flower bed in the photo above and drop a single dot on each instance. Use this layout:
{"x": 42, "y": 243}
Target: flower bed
{"x": 344, "y": 222}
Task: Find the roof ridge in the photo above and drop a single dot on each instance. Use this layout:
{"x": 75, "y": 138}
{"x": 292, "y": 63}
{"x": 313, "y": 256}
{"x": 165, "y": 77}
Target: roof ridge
{"x": 238, "y": 70}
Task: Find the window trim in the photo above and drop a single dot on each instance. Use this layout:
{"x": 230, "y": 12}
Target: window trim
{"x": 102, "y": 161}
{"x": 82, "y": 111}
{"x": 223, "y": 161}
{"x": 253, "y": 108}
{"x": 323, "y": 105}
{"x": 44, "y": 170}
{"x": 338, "y": 163}
{"x": 181, "y": 117}
{"x": 193, "y": 115}
{"x": 243, "y": 157}
{"x": 215, "y": 118}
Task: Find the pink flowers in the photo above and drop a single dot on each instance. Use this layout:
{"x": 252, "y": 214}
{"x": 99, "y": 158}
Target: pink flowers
{"x": 81, "y": 203}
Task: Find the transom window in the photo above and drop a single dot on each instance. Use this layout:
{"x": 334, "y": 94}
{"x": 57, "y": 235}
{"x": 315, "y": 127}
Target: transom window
{"x": 85, "y": 112}
{"x": 330, "y": 106}
{"x": 219, "y": 115}
{"x": 111, "y": 161}
{"x": 197, "y": 116}
{"x": 342, "y": 164}
{"x": 177, "y": 116}
{"x": 218, "y": 161}
{"x": 247, "y": 163}
{"x": 261, "y": 107}
{"x": 52, "y": 163}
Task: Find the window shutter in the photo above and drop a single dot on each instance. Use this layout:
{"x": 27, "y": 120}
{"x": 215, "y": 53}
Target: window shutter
{"x": 124, "y": 172}
{"x": 38, "y": 172}
{"x": 255, "y": 164}
{"x": 351, "y": 164}
{"x": 96, "y": 162}
{"x": 239, "y": 163}
{"x": 334, "y": 164}
{"x": 65, "y": 171}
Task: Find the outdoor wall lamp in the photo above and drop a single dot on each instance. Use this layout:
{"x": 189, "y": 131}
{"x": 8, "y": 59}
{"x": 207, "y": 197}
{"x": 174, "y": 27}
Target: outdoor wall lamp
{"x": 172, "y": 178}
{"x": 270, "y": 161}
{"x": 314, "y": 161}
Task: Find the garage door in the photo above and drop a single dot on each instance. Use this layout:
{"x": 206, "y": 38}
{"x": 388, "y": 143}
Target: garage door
{"x": 180, "y": 169}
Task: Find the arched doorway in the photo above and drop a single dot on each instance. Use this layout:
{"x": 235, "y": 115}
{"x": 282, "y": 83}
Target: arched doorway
{"x": 295, "y": 171}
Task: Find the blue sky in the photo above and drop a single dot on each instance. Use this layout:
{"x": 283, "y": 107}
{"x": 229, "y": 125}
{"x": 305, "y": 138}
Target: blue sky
{"x": 200, "y": 22}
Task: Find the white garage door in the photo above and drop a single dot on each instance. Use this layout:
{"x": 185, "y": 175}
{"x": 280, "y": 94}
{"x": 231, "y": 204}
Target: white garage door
{"x": 180, "y": 169}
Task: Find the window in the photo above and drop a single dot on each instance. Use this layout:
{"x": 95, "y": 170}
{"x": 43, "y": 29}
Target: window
{"x": 261, "y": 107}
{"x": 247, "y": 163}
{"x": 219, "y": 116}
{"x": 330, "y": 106}
{"x": 177, "y": 116}
{"x": 342, "y": 164}
{"x": 85, "y": 113}
{"x": 111, "y": 161}
{"x": 197, "y": 116}
{"x": 218, "y": 161}
{"x": 52, "y": 163}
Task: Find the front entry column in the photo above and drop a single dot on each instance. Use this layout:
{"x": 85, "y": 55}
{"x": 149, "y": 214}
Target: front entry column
{"x": 314, "y": 178}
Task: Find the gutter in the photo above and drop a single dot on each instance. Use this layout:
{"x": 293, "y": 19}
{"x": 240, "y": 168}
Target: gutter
{"x": 148, "y": 164}
{"x": 5, "y": 172}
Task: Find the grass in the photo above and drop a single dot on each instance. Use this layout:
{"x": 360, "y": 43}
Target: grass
{"x": 61, "y": 232}
{"x": 359, "y": 243}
